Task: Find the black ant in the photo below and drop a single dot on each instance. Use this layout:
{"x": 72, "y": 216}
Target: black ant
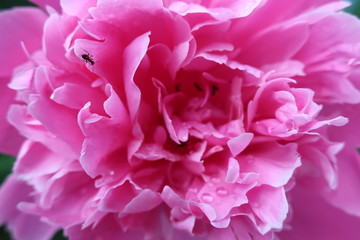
{"x": 88, "y": 58}
{"x": 177, "y": 88}
{"x": 214, "y": 89}
{"x": 197, "y": 86}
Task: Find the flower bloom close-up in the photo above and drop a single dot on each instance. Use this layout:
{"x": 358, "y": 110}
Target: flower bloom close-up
{"x": 181, "y": 120}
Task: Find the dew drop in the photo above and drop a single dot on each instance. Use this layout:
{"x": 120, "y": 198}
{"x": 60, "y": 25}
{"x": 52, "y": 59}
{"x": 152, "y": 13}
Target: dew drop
{"x": 256, "y": 204}
{"x": 184, "y": 210}
{"x": 192, "y": 193}
{"x": 215, "y": 180}
{"x": 206, "y": 197}
{"x": 193, "y": 190}
{"x": 112, "y": 173}
{"x": 221, "y": 192}
{"x": 250, "y": 158}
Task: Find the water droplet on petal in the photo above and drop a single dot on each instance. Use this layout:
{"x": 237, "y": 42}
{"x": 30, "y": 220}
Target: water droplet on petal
{"x": 250, "y": 158}
{"x": 192, "y": 193}
{"x": 206, "y": 197}
{"x": 256, "y": 204}
{"x": 193, "y": 190}
{"x": 221, "y": 192}
{"x": 215, "y": 180}
{"x": 111, "y": 173}
{"x": 184, "y": 210}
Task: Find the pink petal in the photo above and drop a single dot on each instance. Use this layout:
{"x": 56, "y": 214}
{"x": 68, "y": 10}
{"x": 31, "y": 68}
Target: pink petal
{"x": 233, "y": 172}
{"x": 145, "y": 201}
{"x": 275, "y": 45}
{"x": 33, "y": 130}
{"x": 56, "y": 28}
{"x": 238, "y": 144}
{"x": 133, "y": 54}
{"x": 108, "y": 228}
{"x": 10, "y": 140}
{"x": 99, "y": 131}
{"x": 57, "y": 194}
{"x": 21, "y": 225}
{"x": 270, "y": 206}
{"x": 78, "y": 8}
{"x": 59, "y": 120}
{"x": 43, "y": 3}
{"x": 275, "y": 163}
{"x": 33, "y": 161}
{"x": 313, "y": 218}
{"x": 347, "y": 195}
{"x": 29, "y": 26}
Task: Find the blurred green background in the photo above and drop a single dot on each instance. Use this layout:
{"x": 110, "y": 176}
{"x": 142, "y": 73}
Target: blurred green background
{"x": 6, "y": 162}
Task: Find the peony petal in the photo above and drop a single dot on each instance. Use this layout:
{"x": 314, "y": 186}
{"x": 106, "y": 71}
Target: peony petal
{"x": 347, "y": 195}
{"x": 56, "y": 195}
{"x": 314, "y": 219}
{"x": 145, "y": 201}
{"x": 167, "y": 119}
{"x": 275, "y": 45}
{"x": 270, "y": 206}
{"x": 107, "y": 228}
{"x": 56, "y": 28}
{"x": 29, "y": 22}
{"x": 43, "y": 3}
{"x": 240, "y": 228}
{"x": 100, "y": 130}
{"x": 222, "y": 10}
{"x": 10, "y": 140}
{"x": 238, "y": 144}
{"x": 33, "y": 161}
{"x": 78, "y": 8}
{"x": 33, "y": 130}
{"x": 59, "y": 120}
{"x": 133, "y": 54}
{"x": 275, "y": 163}
{"x": 233, "y": 172}
{"x": 22, "y": 225}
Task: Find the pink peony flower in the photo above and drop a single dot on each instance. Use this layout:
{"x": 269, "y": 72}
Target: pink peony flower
{"x": 161, "y": 119}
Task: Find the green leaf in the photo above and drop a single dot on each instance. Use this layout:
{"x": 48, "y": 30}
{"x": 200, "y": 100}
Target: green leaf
{"x": 354, "y": 8}
{"x": 6, "y": 163}
{"x": 12, "y": 3}
{"x": 59, "y": 236}
{"x": 4, "y": 235}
